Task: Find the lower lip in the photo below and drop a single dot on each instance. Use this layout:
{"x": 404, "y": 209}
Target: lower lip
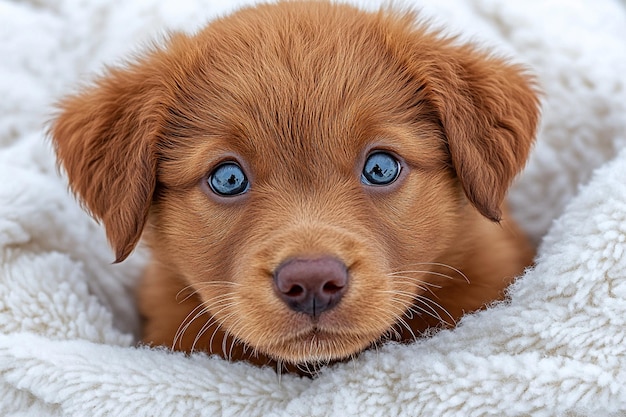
{"x": 315, "y": 337}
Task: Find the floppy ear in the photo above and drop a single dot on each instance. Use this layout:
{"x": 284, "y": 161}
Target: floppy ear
{"x": 489, "y": 112}
{"x": 105, "y": 138}
{"x": 488, "y": 109}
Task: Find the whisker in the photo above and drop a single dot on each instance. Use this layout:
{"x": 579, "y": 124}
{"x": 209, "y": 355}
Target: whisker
{"x": 224, "y": 339}
{"x": 244, "y": 331}
{"x": 420, "y": 287}
{"x": 418, "y": 309}
{"x": 400, "y": 322}
{"x": 234, "y": 339}
{"x": 398, "y": 292}
{"x": 395, "y": 315}
{"x": 426, "y": 300}
{"x": 439, "y": 274}
{"x": 214, "y": 320}
{"x": 208, "y": 324}
{"x": 219, "y": 326}
{"x": 444, "y": 266}
{"x": 182, "y": 328}
{"x": 414, "y": 280}
{"x": 406, "y": 325}
{"x": 200, "y": 286}
{"x": 206, "y": 327}
{"x": 205, "y": 308}
{"x": 223, "y": 301}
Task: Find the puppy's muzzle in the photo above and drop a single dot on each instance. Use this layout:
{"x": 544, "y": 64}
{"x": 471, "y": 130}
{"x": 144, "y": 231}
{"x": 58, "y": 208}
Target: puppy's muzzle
{"x": 311, "y": 286}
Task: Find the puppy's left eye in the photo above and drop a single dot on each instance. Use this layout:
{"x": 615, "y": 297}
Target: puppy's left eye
{"x": 380, "y": 168}
{"x": 228, "y": 180}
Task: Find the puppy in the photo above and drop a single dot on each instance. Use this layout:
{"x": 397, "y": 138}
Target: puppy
{"x": 312, "y": 179}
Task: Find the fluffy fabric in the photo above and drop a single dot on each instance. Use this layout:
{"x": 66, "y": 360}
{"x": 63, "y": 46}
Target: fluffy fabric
{"x": 68, "y": 321}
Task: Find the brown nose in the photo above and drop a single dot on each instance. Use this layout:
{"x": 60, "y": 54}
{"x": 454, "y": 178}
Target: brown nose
{"x": 311, "y": 286}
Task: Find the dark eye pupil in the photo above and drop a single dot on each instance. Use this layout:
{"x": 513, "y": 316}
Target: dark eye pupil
{"x": 228, "y": 179}
{"x": 380, "y": 169}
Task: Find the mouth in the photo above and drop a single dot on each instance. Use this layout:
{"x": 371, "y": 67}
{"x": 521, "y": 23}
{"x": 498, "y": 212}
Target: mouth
{"x": 317, "y": 345}
{"x": 315, "y": 336}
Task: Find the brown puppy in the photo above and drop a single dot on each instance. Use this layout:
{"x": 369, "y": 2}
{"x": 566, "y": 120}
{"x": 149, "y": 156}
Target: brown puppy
{"x": 311, "y": 178}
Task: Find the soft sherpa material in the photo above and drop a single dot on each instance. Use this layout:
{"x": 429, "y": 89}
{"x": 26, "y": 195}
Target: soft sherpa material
{"x": 67, "y": 315}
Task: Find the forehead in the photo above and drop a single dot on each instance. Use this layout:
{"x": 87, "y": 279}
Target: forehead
{"x": 289, "y": 86}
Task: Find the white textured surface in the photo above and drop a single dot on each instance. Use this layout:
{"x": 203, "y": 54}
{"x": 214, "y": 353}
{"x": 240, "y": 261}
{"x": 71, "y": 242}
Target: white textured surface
{"x": 558, "y": 348}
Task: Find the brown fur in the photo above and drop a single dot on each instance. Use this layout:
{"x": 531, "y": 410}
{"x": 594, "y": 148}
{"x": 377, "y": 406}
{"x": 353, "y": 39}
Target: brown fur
{"x": 299, "y": 93}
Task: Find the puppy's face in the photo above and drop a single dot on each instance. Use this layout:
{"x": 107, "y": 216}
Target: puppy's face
{"x": 321, "y": 209}
{"x": 293, "y": 162}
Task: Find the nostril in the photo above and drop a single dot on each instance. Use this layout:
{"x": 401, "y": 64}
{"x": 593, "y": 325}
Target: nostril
{"x": 332, "y": 288}
{"x": 295, "y": 291}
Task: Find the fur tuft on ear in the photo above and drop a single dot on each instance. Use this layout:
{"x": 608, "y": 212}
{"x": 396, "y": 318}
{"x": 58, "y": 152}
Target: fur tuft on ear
{"x": 104, "y": 138}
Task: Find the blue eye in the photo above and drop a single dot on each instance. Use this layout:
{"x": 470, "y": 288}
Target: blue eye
{"x": 380, "y": 169}
{"x": 228, "y": 179}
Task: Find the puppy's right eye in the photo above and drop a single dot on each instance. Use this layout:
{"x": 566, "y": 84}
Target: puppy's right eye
{"x": 228, "y": 180}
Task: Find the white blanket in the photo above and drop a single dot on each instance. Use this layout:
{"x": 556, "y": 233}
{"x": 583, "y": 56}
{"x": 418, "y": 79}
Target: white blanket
{"x": 68, "y": 321}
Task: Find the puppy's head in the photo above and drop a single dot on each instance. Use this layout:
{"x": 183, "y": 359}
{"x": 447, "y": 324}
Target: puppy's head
{"x": 290, "y": 159}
